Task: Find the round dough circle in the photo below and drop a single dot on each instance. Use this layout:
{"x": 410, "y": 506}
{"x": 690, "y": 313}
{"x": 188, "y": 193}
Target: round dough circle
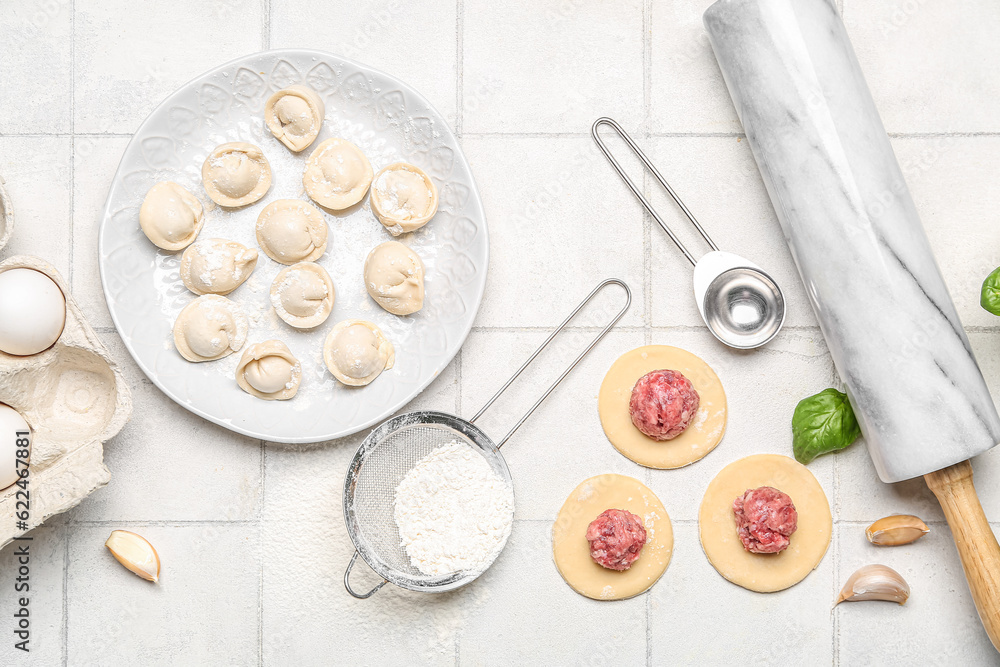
{"x": 704, "y": 432}
{"x": 765, "y": 573}
{"x": 571, "y": 550}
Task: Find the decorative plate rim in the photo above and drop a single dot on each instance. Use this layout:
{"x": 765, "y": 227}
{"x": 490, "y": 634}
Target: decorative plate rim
{"x": 475, "y": 200}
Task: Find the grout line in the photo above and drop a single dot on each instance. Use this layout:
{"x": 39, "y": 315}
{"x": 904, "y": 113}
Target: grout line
{"x": 647, "y": 272}
{"x": 931, "y": 135}
{"x": 265, "y": 37}
{"x": 628, "y": 327}
{"x": 72, "y": 199}
{"x": 797, "y": 328}
{"x": 263, "y": 478}
{"x": 647, "y": 248}
{"x": 72, "y": 129}
{"x": 835, "y": 619}
{"x": 458, "y": 382}
{"x": 703, "y": 135}
{"x": 260, "y": 595}
{"x": 929, "y": 522}
{"x": 682, "y": 522}
{"x": 866, "y": 522}
{"x": 72, "y": 206}
{"x": 63, "y": 135}
{"x": 530, "y": 135}
{"x": 552, "y": 135}
{"x": 65, "y": 596}
{"x": 459, "y": 133}
{"x": 260, "y": 553}
{"x": 649, "y": 626}
{"x": 165, "y": 522}
{"x": 647, "y": 219}
{"x": 835, "y": 625}
{"x": 981, "y": 329}
{"x": 647, "y": 76}
{"x": 459, "y": 68}
{"x": 623, "y": 327}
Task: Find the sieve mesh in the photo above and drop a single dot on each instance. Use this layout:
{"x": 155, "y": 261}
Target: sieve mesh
{"x": 382, "y": 461}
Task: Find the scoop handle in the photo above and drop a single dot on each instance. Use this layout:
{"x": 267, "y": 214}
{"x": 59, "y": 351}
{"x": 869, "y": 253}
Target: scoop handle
{"x": 977, "y": 545}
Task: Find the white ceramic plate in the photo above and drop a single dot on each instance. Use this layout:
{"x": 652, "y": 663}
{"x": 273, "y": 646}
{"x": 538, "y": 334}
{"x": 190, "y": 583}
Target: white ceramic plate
{"x": 390, "y": 122}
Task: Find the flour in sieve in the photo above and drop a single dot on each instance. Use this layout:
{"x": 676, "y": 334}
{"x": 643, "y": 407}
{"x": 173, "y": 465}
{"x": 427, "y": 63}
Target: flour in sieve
{"x": 453, "y": 511}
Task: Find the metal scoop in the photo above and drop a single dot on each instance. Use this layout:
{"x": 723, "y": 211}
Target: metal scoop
{"x": 741, "y": 304}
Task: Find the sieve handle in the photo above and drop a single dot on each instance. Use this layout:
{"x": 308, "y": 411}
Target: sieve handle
{"x": 605, "y": 330}
{"x": 347, "y": 581}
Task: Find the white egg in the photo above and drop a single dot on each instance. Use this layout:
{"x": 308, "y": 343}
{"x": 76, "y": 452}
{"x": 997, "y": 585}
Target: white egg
{"x": 32, "y": 312}
{"x": 14, "y": 435}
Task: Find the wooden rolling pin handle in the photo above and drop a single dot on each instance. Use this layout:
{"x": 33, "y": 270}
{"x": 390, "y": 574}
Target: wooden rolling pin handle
{"x": 977, "y": 545}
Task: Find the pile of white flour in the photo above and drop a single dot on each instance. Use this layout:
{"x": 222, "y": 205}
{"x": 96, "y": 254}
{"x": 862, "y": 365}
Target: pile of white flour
{"x": 453, "y": 511}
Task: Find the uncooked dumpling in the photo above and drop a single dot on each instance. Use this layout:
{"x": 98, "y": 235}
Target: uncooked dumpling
{"x": 171, "y": 217}
{"x": 356, "y": 352}
{"x": 216, "y": 266}
{"x": 295, "y": 115}
{"x": 270, "y": 371}
{"x": 209, "y": 328}
{"x": 236, "y": 174}
{"x": 403, "y": 198}
{"x": 291, "y": 231}
{"x": 394, "y": 277}
{"x": 337, "y": 174}
{"x": 303, "y": 295}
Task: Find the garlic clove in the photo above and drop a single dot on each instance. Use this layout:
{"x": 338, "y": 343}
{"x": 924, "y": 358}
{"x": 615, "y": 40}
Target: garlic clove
{"x": 875, "y": 582}
{"x": 135, "y": 553}
{"x": 895, "y": 530}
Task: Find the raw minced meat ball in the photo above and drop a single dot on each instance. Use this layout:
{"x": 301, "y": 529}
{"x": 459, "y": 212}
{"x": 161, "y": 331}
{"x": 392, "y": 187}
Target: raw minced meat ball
{"x": 765, "y": 518}
{"x": 616, "y": 539}
{"x": 663, "y": 404}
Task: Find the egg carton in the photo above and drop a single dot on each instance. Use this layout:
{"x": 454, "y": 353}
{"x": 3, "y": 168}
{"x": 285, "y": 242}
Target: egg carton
{"x": 74, "y": 397}
{"x": 6, "y": 216}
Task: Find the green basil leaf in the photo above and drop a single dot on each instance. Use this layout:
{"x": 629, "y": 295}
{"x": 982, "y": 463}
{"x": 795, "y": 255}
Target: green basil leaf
{"x": 990, "y": 296}
{"x": 823, "y": 423}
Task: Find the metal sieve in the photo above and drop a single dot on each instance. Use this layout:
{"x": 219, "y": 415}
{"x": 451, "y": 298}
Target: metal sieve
{"x": 392, "y": 449}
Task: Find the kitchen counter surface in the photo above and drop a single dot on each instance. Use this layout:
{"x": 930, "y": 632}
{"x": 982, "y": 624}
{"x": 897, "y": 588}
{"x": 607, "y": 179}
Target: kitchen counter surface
{"x": 251, "y": 533}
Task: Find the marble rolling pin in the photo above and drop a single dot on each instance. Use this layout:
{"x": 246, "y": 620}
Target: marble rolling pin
{"x": 866, "y": 263}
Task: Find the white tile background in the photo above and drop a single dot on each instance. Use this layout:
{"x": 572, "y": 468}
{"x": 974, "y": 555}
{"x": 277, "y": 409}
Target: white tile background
{"x": 251, "y": 533}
